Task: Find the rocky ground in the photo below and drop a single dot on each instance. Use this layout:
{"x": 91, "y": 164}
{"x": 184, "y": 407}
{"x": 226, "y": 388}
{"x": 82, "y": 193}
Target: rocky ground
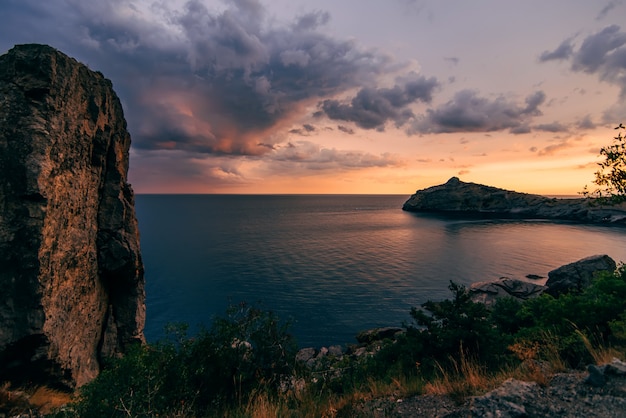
{"x": 598, "y": 393}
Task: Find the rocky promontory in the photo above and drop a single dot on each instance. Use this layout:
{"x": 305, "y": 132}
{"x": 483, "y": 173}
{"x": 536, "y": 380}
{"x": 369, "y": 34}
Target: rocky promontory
{"x": 71, "y": 274}
{"x": 456, "y": 197}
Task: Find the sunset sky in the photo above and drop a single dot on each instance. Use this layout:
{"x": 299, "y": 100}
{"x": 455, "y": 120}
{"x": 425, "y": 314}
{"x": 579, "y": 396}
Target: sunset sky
{"x": 349, "y": 96}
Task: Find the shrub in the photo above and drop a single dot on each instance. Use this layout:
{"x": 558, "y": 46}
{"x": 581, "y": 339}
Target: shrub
{"x": 246, "y": 351}
{"x": 458, "y": 326}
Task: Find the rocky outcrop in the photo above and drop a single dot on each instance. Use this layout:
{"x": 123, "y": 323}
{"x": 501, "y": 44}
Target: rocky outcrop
{"x": 488, "y": 292}
{"x": 570, "y": 394}
{"x": 566, "y": 395}
{"x": 71, "y": 275}
{"x": 460, "y": 198}
{"x": 574, "y": 276}
{"x": 378, "y": 334}
{"x": 578, "y": 275}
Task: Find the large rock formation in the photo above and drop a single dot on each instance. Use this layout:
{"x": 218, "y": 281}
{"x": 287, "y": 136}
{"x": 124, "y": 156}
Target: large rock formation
{"x": 579, "y": 274}
{"x": 71, "y": 275}
{"x": 457, "y": 197}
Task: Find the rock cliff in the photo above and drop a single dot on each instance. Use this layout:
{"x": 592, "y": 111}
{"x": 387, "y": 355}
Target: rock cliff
{"x": 71, "y": 275}
{"x": 458, "y": 197}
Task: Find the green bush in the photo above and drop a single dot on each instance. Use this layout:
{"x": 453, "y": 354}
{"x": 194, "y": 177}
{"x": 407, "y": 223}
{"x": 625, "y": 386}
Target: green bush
{"x": 246, "y": 351}
{"x": 249, "y": 351}
{"x": 458, "y": 325}
{"x": 441, "y": 330}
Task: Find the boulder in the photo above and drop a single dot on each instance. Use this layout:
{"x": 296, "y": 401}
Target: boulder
{"x": 71, "y": 274}
{"x": 470, "y": 199}
{"x": 378, "y": 334}
{"x": 578, "y": 275}
{"x": 506, "y": 401}
{"x": 306, "y": 354}
{"x": 488, "y": 292}
{"x": 599, "y": 375}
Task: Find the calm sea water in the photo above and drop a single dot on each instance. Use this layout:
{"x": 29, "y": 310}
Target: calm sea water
{"x": 334, "y": 265}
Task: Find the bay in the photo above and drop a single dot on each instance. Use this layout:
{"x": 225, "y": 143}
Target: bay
{"x": 334, "y": 265}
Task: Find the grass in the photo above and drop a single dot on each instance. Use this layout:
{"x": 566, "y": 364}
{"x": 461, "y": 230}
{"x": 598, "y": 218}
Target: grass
{"x": 601, "y": 353}
{"x": 455, "y": 348}
{"x": 15, "y": 401}
{"x": 466, "y": 377}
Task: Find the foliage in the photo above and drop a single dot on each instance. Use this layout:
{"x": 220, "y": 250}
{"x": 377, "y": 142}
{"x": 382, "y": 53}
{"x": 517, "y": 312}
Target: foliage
{"x": 246, "y": 351}
{"x": 443, "y": 333}
{"x": 611, "y": 177}
{"x": 596, "y": 311}
{"x": 458, "y": 326}
{"x": 241, "y": 365}
{"x": 558, "y": 330}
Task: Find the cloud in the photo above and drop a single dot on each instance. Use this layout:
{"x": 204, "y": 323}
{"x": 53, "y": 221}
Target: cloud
{"x": 553, "y": 127}
{"x": 219, "y": 80}
{"x": 554, "y": 148}
{"x": 562, "y": 52}
{"x": 604, "y": 54}
{"x": 372, "y": 108}
{"x": 312, "y": 20}
{"x": 310, "y": 156}
{"x": 304, "y": 131}
{"x": 345, "y": 129}
{"x": 586, "y": 123}
{"x": 468, "y": 112}
{"x": 606, "y": 9}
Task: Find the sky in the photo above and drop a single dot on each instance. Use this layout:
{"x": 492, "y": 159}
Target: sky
{"x": 349, "y": 96}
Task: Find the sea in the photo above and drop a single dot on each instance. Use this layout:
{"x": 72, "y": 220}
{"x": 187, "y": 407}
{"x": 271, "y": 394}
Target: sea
{"x": 333, "y": 265}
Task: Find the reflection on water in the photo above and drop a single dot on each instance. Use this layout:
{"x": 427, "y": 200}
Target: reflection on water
{"x": 335, "y": 264}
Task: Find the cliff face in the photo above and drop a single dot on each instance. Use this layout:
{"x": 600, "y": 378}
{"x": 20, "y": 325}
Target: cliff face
{"x": 457, "y": 197}
{"x": 71, "y": 275}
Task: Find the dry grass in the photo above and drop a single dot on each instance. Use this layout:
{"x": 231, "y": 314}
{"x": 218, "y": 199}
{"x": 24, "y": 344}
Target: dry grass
{"x": 261, "y": 406}
{"x": 540, "y": 360}
{"x": 309, "y": 404}
{"x": 47, "y": 400}
{"x": 600, "y": 353}
{"x": 467, "y": 378}
{"x": 13, "y": 401}
{"x": 42, "y": 399}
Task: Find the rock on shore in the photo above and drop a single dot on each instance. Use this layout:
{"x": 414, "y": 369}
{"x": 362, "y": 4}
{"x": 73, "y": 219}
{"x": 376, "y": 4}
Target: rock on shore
{"x": 71, "y": 275}
{"x": 458, "y": 197}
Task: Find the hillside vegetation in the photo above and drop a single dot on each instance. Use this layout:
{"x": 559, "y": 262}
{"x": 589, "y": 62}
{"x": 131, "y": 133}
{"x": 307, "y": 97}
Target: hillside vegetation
{"x": 244, "y": 365}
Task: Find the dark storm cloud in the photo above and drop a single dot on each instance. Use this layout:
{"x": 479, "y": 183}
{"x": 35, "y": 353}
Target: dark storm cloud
{"x": 200, "y": 80}
{"x": 371, "y": 108}
{"x": 468, "y": 112}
